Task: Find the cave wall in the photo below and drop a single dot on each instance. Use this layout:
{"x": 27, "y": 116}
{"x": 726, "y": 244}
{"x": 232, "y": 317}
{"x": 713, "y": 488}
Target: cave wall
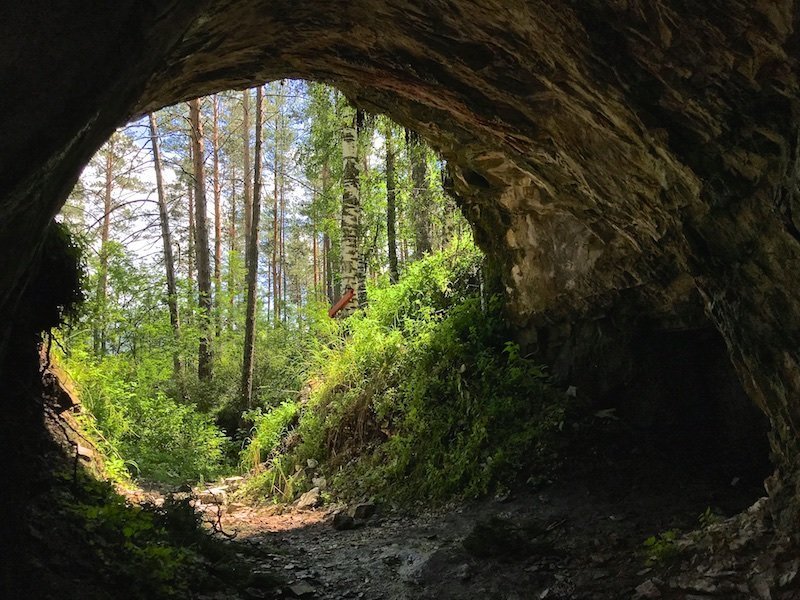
{"x": 615, "y": 157}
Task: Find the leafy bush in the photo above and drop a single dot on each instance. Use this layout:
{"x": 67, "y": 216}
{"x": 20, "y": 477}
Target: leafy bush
{"x": 267, "y": 433}
{"x": 662, "y": 547}
{"x": 159, "y": 438}
{"x": 139, "y": 551}
{"x": 422, "y": 394}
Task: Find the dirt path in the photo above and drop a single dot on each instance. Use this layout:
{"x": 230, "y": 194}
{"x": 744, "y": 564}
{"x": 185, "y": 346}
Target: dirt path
{"x": 579, "y": 538}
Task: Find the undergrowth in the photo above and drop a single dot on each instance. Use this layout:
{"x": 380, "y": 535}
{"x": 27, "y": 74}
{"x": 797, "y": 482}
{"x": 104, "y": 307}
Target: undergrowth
{"x": 141, "y": 431}
{"x": 138, "y": 551}
{"x": 421, "y": 396}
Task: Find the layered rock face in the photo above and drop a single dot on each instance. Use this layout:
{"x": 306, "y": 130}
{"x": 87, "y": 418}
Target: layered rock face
{"x": 625, "y": 163}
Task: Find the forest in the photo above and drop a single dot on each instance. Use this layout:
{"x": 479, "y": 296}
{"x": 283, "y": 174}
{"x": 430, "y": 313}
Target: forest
{"x": 220, "y": 235}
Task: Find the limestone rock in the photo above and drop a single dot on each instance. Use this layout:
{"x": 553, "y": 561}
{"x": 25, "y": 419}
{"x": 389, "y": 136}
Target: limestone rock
{"x": 311, "y": 499}
{"x": 648, "y": 589}
{"x": 364, "y": 510}
{"x": 301, "y": 590}
{"x": 84, "y": 452}
{"x": 215, "y": 495}
{"x": 342, "y": 521}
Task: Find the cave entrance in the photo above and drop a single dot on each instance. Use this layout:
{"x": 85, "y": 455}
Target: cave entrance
{"x": 685, "y": 413}
{"x": 219, "y": 233}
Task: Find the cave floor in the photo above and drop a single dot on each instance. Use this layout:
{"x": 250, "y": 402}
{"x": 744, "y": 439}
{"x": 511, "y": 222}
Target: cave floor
{"x": 580, "y": 536}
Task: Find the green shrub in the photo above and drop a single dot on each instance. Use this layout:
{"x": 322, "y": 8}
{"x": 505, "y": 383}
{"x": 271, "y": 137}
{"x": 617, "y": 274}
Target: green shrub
{"x": 423, "y": 395}
{"x": 141, "y": 428}
{"x": 267, "y": 433}
{"x": 139, "y": 551}
{"x": 662, "y": 547}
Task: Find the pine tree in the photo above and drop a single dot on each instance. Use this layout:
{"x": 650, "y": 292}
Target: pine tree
{"x": 204, "y": 358}
{"x": 420, "y": 198}
{"x": 217, "y": 184}
{"x": 169, "y": 263}
{"x": 248, "y": 362}
{"x": 105, "y": 231}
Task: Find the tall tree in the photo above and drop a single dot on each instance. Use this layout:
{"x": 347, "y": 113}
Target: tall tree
{"x": 246, "y": 175}
{"x": 420, "y": 203}
{"x": 391, "y": 202}
{"x": 276, "y": 231}
{"x": 282, "y": 236}
{"x": 248, "y": 362}
{"x": 169, "y": 263}
{"x": 217, "y": 217}
{"x": 105, "y": 231}
{"x": 204, "y": 360}
{"x": 232, "y": 247}
{"x": 328, "y": 264}
{"x": 351, "y": 211}
{"x": 190, "y": 242}
{"x": 364, "y": 129}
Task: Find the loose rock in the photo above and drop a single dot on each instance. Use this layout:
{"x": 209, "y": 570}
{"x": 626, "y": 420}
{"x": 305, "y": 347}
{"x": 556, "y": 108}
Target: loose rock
{"x": 342, "y": 521}
{"x": 648, "y": 589}
{"x": 301, "y": 590}
{"x": 364, "y": 510}
{"x": 310, "y": 499}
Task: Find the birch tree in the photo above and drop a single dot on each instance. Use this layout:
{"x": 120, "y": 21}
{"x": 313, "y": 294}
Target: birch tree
{"x": 351, "y": 211}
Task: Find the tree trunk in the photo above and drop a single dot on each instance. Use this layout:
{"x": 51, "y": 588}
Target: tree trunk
{"x": 217, "y": 223}
{"x": 328, "y": 262}
{"x": 420, "y": 197}
{"x": 351, "y": 213}
{"x": 363, "y": 146}
{"x": 105, "y": 232}
{"x": 284, "y": 296}
{"x": 324, "y": 260}
{"x": 232, "y": 283}
{"x": 450, "y": 207}
{"x": 190, "y": 241}
{"x": 391, "y": 205}
{"x": 315, "y": 255}
{"x": 248, "y": 362}
{"x": 169, "y": 263}
{"x": 276, "y": 286}
{"x": 204, "y": 300}
{"x": 248, "y": 186}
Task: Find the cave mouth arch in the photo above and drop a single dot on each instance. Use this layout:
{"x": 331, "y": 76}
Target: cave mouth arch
{"x": 617, "y": 147}
{"x": 680, "y": 398}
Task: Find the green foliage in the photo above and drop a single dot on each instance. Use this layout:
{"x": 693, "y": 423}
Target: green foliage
{"x": 422, "y": 395}
{"x": 280, "y": 481}
{"x": 371, "y": 376}
{"x": 267, "y": 433}
{"x": 151, "y": 549}
{"x": 161, "y": 439}
{"x": 142, "y": 551}
{"x": 708, "y": 518}
{"x": 662, "y": 547}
